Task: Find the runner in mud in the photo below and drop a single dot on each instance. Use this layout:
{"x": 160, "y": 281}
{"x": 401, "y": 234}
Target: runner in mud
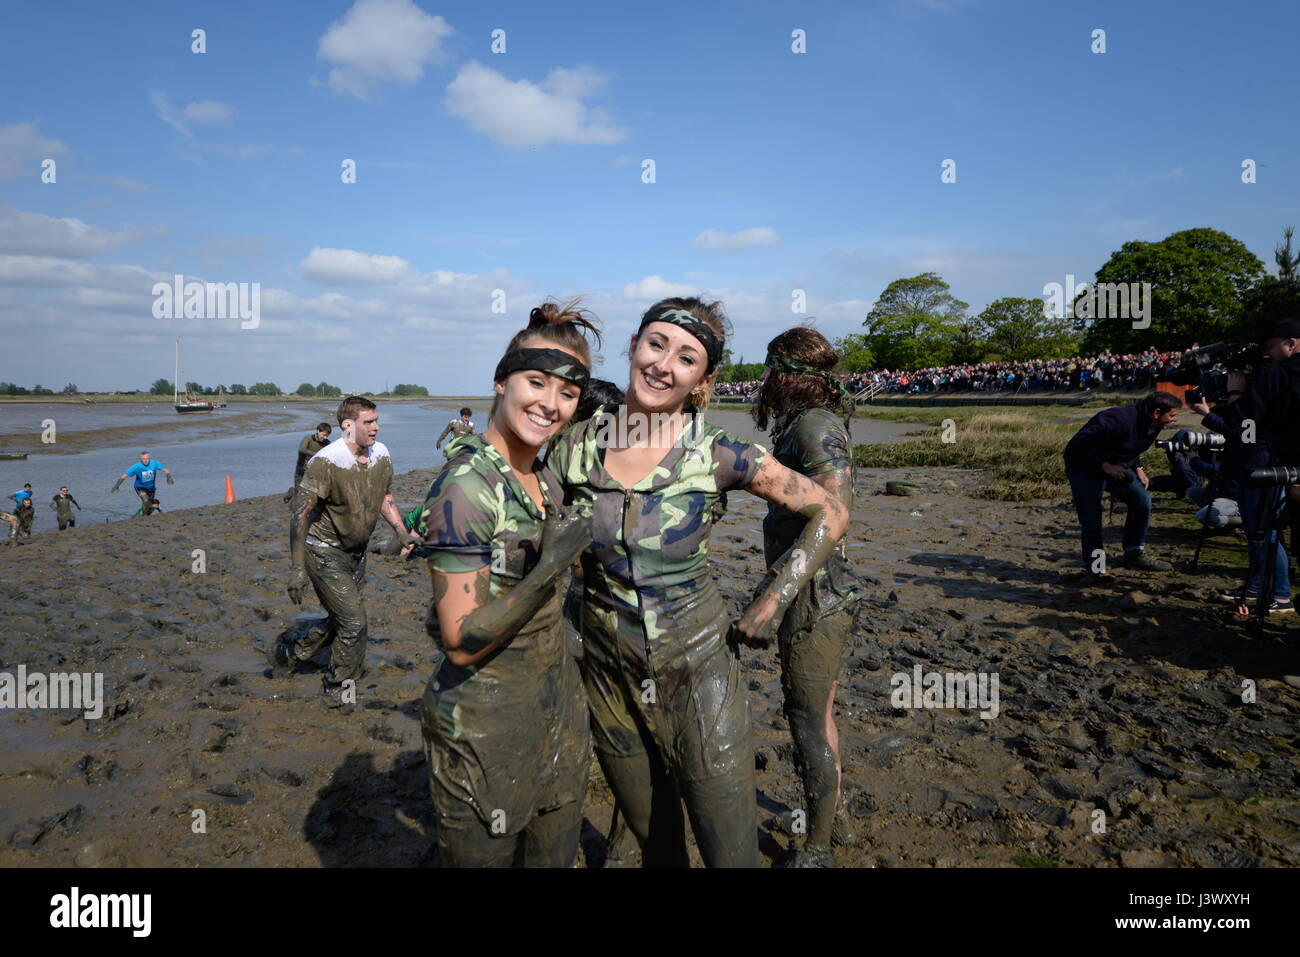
{"x": 308, "y": 447}
{"x": 809, "y": 411}
{"x": 62, "y": 504}
{"x": 457, "y": 428}
{"x": 21, "y": 495}
{"x": 145, "y": 472}
{"x": 671, "y": 717}
{"x": 24, "y": 513}
{"x": 12, "y": 522}
{"x": 345, "y": 489}
{"x": 504, "y": 717}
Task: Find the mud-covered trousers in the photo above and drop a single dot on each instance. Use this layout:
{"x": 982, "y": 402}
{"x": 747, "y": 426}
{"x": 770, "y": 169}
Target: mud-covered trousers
{"x": 810, "y": 664}
{"x": 337, "y": 577}
{"x": 549, "y": 840}
{"x": 685, "y": 736}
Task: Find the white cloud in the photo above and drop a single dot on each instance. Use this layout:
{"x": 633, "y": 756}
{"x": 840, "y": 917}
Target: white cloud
{"x": 167, "y": 113}
{"x": 718, "y": 240}
{"x": 35, "y": 234}
{"x": 521, "y": 113}
{"x": 209, "y": 112}
{"x": 380, "y": 41}
{"x": 651, "y": 288}
{"x": 22, "y": 149}
{"x": 347, "y": 266}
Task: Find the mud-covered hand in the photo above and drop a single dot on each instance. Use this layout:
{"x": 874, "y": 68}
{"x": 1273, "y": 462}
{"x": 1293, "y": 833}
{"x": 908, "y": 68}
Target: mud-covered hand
{"x": 117, "y": 486}
{"x": 170, "y": 480}
{"x": 566, "y": 534}
{"x": 745, "y": 632}
{"x": 404, "y": 543}
{"x": 298, "y": 583}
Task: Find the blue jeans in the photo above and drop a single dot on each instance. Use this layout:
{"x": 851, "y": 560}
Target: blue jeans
{"x": 1251, "y": 500}
{"x": 1087, "y": 490}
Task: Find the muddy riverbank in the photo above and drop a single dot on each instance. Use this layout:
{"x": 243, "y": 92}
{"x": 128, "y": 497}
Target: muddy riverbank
{"x": 1124, "y": 698}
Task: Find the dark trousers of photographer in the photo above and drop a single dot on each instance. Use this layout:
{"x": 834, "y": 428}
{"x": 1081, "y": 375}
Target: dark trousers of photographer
{"x": 1087, "y": 491}
{"x": 1252, "y": 500}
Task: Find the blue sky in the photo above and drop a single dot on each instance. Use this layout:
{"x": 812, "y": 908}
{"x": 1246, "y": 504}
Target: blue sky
{"x": 522, "y": 171}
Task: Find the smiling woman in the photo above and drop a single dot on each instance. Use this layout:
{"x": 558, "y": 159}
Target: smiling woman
{"x": 504, "y": 720}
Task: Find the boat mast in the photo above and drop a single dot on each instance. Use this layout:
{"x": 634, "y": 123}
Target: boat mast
{"x": 176, "y": 373}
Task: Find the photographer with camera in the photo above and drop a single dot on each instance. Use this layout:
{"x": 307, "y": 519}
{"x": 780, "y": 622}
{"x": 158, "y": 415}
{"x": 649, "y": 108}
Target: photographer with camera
{"x": 1106, "y": 454}
{"x": 1265, "y": 408}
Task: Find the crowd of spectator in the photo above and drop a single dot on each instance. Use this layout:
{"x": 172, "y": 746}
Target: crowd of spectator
{"x": 1101, "y": 373}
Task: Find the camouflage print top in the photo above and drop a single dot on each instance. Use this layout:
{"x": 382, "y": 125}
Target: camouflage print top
{"x": 506, "y": 734}
{"x": 813, "y": 443}
{"x": 477, "y": 514}
{"x": 646, "y": 575}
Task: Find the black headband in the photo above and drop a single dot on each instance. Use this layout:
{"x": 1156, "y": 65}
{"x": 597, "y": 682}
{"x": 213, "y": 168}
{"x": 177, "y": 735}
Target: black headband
{"x": 695, "y": 326}
{"x": 557, "y": 362}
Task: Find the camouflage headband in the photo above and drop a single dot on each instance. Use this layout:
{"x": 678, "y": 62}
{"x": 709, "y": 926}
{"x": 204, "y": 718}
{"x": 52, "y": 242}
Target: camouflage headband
{"x": 695, "y": 326}
{"x": 557, "y": 362}
{"x": 794, "y": 367}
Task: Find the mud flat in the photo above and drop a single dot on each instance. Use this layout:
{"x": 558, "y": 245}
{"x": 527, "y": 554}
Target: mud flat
{"x": 1124, "y": 698}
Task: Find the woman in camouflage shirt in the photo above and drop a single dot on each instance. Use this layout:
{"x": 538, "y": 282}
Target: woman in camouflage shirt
{"x": 504, "y": 719}
{"x": 671, "y": 718}
{"x": 808, "y": 408}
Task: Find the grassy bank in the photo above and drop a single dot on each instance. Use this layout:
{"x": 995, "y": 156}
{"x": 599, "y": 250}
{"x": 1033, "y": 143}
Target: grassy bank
{"x": 1018, "y": 450}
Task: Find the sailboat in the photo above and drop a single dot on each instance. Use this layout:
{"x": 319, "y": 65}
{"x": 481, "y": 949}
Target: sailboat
{"x": 191, "y": 403}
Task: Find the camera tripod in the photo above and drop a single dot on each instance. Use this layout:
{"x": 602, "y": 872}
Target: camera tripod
{"x": 1216, "y": 485}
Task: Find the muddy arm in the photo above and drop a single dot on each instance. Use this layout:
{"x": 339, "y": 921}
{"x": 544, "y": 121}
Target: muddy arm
{"x": 473, "y": 625}
{"x": 828, "y": 519}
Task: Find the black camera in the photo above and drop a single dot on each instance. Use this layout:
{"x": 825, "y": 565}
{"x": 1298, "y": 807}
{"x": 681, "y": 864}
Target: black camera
{"x": 1200, "y": 367}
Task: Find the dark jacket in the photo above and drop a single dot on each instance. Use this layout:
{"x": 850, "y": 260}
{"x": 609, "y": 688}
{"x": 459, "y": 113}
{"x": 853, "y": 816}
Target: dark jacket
{"x": 1272, "y": 399}
{"x": 1119, "y": 435}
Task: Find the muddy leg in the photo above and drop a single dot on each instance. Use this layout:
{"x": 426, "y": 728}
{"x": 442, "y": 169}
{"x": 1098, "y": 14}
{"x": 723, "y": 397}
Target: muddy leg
{"x": 551, "y": 838}
{"x": 810, "y": 661}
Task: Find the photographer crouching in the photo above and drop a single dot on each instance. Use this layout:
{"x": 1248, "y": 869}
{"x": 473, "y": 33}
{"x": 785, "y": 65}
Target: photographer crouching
{"x": 1264, "y": 407}
{"x": 1106, "y": 454}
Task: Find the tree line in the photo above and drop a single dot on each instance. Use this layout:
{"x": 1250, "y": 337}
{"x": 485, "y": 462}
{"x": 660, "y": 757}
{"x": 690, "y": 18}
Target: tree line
{"x": 1205, "y": 287}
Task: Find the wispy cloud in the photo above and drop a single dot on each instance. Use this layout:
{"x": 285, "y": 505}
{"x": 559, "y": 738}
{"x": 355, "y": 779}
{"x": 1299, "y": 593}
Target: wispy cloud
{"x": 348, "y": 267}
{"x": 520, "y": 113}
{"x": 209, "y": 112}
{"x": 721, "y": 241}
{"x": 22, "y": 148}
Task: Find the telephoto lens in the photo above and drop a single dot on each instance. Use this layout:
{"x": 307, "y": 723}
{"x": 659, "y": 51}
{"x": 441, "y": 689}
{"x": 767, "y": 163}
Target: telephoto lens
{"x": 1198, "y": 440}
{"x": 1278, "y": 475}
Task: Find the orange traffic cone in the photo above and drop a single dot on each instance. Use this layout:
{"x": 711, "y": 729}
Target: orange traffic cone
{"x": 230, "y": 491}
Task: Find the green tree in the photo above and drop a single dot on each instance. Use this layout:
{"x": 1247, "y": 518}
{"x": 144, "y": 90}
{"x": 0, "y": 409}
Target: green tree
{"x": 264, "y": 388}
{"x": 161, "y": 387}
{"x": 70, "y": 389}
{"x": 237, "y": 389}
{"x": 1199, "y": 278}
{"x": 1287, "y": 262}
{"x": 914, "y": 322}
{"x": 324, "y": 388}
{"x": 306, "y": 389}
{"x": 855, "y": 353}
{"x": 1018, "y": 329}
{"x": 403, "y": 389}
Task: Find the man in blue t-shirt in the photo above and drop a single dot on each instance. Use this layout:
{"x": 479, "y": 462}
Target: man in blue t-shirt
{"x": 144, "y": 472}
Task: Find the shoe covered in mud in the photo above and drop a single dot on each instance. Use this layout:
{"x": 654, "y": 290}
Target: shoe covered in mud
{"x": 1280, "y": 606}
{"x": 280, "y": 661}
{"x": 332, "y": 700}
{"x": 1138, "y": 558}
{"x": 813, "y": 855}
